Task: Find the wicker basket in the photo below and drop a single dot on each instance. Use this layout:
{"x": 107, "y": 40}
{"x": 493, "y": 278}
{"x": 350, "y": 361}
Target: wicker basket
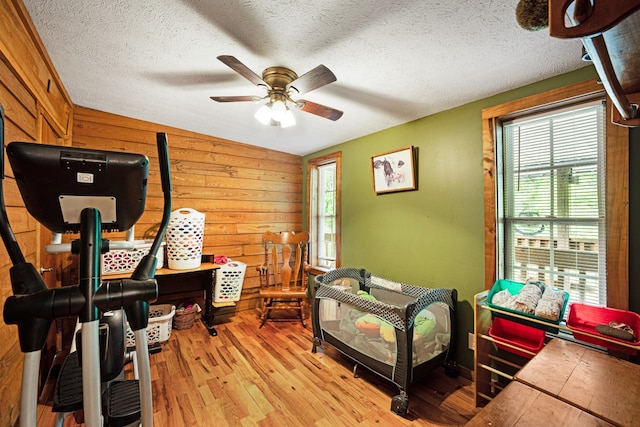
{"x": 184, "y": 319}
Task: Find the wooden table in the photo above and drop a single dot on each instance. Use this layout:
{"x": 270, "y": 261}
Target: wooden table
{"x": 523, "y": 406}
{"x": 178, "y": 285}
{"x": 597, "y": 383}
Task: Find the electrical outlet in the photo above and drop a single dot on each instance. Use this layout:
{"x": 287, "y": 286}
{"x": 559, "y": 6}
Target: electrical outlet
{"x": 471, "y": 343}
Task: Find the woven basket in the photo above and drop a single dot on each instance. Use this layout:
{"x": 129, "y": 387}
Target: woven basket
{"x": 184, "y": 319}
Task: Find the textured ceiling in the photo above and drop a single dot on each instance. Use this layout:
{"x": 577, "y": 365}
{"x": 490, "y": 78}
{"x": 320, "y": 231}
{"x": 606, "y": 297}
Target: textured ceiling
{"x": 395, "y": 61}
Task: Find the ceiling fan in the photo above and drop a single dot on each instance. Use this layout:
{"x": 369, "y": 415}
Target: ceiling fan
{"x": 282, "y": 85}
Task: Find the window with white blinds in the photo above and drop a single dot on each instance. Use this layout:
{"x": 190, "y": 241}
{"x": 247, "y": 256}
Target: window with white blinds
{"x": 554, "y": 201}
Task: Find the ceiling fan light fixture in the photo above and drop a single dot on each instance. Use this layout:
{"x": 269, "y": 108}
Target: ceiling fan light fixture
{"x": 275, "y": 113}
{"x": 264, "y": 114}
{"x": 288, "y": 119}
{"x": 278, "y": 108}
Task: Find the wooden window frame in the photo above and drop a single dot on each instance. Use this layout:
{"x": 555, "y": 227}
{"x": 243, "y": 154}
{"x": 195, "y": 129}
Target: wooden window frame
{"x": 617, "y": 178}
{"x": 312, "y": 166}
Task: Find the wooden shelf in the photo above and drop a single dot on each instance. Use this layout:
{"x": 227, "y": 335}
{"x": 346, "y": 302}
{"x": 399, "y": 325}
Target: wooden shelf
{"x": 610, "y": 32}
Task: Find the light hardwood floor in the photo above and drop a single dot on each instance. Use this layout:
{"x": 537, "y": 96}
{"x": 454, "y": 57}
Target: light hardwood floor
{"x": 248, "y": 376}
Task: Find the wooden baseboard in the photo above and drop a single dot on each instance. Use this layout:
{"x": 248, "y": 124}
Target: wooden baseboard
{"x": 466, "y": 373}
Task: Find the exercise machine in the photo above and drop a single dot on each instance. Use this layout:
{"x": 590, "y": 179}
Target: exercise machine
{"x": 86, "y": 192}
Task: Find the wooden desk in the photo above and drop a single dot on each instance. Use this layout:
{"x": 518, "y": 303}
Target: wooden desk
{"x": 595, "y": 382}
{"x": 178, "y": 285}
{"x": 524, "y": 406}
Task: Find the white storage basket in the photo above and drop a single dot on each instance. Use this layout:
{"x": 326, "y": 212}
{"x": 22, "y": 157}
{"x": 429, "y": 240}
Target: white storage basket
{"x": 159, "y": 327}
{"x": 185, "y": 235}
{"x": 229, "y": 279}
{"x": 126, "y": 260}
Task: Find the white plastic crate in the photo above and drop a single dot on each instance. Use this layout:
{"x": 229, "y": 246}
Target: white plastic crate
{"x": 159, "y": 327}
{"x": 229, "y": 279}
{"x": 126, "y": 260}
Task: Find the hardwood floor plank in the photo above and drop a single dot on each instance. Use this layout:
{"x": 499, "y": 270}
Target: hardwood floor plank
{"x": 250, "y": 376}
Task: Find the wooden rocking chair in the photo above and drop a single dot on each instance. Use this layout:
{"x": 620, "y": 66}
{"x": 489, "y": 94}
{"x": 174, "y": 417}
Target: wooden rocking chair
{"x": 284, "y": 274}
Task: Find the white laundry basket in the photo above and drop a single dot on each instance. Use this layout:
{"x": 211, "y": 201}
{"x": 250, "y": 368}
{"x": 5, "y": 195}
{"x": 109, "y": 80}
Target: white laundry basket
{"x": 229, "y": 279}
{"x": 184, "y": 239}
{"x": 125, "y": 260}
{"x": 159, "y": 326}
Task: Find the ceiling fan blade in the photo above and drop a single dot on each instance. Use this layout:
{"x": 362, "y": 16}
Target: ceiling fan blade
{"x": 236, "y": 98}
{"x": 313, "y": 79}
{"x": 242, "y": 69}
{"x": 319, "y": 109}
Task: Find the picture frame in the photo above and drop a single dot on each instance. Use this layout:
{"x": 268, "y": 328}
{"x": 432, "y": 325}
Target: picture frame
{"x": 394, "y": 171}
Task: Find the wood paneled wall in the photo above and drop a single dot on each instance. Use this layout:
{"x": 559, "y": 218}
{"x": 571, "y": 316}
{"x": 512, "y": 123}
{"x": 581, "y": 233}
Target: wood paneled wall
{"x": 33, "y": 99}
{"x": 243, "y": 190}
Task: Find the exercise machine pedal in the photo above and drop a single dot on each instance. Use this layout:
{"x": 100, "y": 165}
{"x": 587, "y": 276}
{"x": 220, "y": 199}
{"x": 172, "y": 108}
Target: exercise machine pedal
{"x": 122, "y": 403}
{"x": 67, "y": 395}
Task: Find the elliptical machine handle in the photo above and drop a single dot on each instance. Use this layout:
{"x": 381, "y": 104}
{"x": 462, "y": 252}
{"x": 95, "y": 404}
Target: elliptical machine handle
{"x": 163, "y": 156}
{"x": 147, "y": 266}
{"x": 138, "y": 312}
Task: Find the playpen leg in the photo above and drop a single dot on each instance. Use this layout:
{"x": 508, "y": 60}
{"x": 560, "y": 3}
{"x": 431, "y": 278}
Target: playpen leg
{"x": 316, "y": 343}
{"x": 400, "y": 404}
{"x": 452, "y": 369}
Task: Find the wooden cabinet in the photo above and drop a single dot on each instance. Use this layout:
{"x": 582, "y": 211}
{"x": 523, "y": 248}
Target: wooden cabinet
{"x": 495, "y": 368}
{"x": 521, "y": 405}
{"x": 567, "y": 384}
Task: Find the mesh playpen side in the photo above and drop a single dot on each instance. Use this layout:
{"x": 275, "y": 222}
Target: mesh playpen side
{"x": 398, "y": 331}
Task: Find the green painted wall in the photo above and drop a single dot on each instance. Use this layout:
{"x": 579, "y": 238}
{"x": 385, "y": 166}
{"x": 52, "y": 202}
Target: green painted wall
{"x": 434, "y": 236}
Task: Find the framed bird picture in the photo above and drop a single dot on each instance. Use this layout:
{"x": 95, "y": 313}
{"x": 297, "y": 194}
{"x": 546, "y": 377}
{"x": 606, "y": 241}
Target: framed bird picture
{"x": 394, "y": 171}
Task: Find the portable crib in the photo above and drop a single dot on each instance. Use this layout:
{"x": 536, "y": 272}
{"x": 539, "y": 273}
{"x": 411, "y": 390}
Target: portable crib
{"x": 398, "y": 331}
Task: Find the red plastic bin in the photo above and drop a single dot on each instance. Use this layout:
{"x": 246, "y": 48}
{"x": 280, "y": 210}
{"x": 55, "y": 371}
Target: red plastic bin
{"x": 523, "y": 336}
{"x": 585, "y": 318}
